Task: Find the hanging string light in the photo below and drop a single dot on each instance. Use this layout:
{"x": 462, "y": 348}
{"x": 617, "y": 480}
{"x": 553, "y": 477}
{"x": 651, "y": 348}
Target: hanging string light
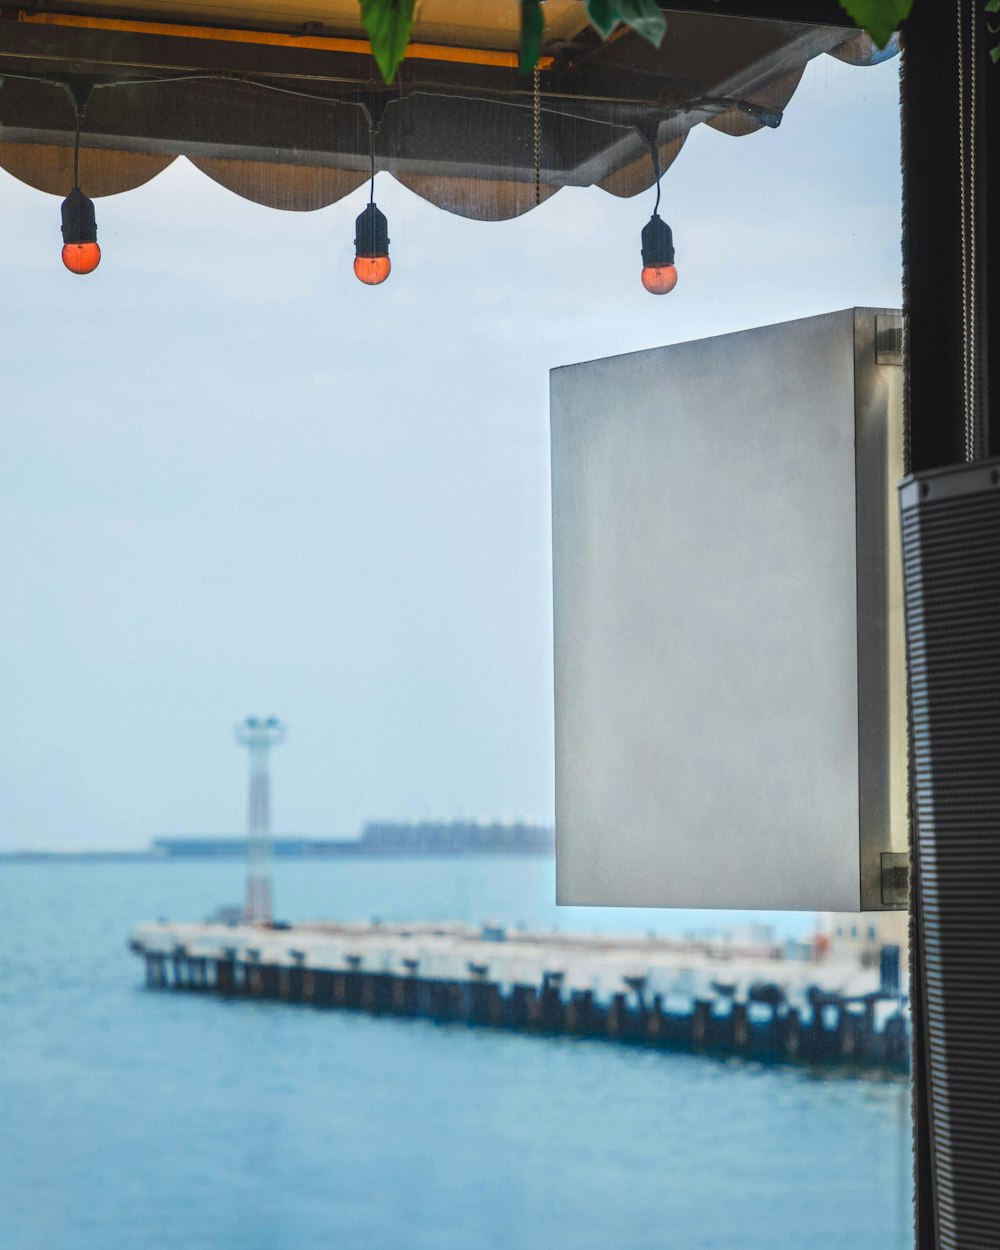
{"x": 659, "y": 274}
{"x": 81, "y": 252}
{"x": 371, "y": 232}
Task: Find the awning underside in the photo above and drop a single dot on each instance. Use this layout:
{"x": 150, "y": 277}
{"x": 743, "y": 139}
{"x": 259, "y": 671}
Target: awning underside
{"x": 283, "y": 119}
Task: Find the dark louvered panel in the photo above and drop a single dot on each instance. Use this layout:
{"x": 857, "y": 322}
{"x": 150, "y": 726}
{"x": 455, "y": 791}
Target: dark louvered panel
{"x": 951, "y": 551}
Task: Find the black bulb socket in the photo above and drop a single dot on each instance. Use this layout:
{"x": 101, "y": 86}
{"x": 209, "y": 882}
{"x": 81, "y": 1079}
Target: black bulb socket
{"x": 371, "y": 233}
{"x": 79, "y": 223}
{"x": 657, "y": 243}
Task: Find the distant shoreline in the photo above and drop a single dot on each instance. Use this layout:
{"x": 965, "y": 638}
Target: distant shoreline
{"x": 378, "y": 840}
{"x": 362, "y": 852}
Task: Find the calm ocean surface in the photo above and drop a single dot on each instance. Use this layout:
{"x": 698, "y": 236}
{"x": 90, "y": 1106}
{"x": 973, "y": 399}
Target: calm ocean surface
{"x": 135, "y": 1120}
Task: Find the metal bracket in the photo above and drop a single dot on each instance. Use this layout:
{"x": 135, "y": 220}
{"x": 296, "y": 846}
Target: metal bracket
{"x": 888, "y": 339}
{"x": 895, "y": 879}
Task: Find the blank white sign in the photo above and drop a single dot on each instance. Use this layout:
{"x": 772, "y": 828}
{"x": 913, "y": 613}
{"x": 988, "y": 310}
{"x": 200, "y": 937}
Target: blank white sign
{"x": 722, "y": 636}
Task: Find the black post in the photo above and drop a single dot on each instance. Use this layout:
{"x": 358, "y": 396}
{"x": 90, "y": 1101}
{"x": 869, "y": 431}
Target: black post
{"x": 932, "y": 244}
{"x": 938, "y": 334}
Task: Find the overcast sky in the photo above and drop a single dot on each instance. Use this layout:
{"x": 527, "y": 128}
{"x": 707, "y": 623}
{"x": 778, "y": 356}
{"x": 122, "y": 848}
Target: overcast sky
{"x": 233, "y": 480}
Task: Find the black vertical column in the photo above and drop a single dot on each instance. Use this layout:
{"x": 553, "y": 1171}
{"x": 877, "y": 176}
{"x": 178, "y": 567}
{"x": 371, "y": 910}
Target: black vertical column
{"x": 932, "y": 299}
{"x": 989, "y": 230}
{"x": 938, "y": 330}
{"x": 951, "y": 555}
{"x": 932, "y": 244}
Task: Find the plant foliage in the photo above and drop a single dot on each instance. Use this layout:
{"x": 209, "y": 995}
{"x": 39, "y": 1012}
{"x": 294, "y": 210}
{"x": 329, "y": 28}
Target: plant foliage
{"x": 993, "y": 6}
{"x": 532, "y": 34}
{"x": 880, "y": 18}
{"x": 389, "y": 22}
{"x": 644, "y": 16}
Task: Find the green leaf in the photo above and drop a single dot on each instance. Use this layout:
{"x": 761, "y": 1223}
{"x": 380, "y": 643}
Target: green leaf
{"x": 388, "y": 23}
{"x": 995, "y": 54}
{"x": 993, "y": 6}
{"x": 532, "y": 31}
{"x": 645, "y": 17}
{"x": 604, "y": 16}
{"x": 880, "y": 18}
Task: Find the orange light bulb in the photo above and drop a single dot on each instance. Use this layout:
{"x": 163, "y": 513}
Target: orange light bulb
{"x": 371, "y": 270}
{"x": 659, "y": 279}
{"x": 81, "y": 257}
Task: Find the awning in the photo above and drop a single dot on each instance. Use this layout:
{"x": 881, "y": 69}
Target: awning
{"x": 282, "y": 104}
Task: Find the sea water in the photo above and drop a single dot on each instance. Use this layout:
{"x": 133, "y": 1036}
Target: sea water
{"x": 132, "y": 1119}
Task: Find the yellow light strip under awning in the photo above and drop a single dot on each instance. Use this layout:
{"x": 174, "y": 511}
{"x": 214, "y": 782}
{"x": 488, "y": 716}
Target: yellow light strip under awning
{"x": 275, "y": 39}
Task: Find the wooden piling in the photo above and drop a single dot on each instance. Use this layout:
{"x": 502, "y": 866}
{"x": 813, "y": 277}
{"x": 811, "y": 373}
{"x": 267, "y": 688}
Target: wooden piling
{"x": 700, "y": 1020}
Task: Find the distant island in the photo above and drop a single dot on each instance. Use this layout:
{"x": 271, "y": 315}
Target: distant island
{"x": 378, "y": 838}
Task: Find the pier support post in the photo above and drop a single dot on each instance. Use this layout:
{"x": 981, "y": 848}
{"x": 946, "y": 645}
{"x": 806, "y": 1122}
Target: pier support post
{"x": 481, "y": 1002}
{"x": 352, "y": 989}
{"x": 323, "y": 988}
{"x": 550, "y": 1010}
{"x": 700, "y": 1022}
{"x": 870, "y": 1043}
{"x": 616, "y": 1024}
{"x": 846, "y": 1034}
{"x": 404, "y": 996}
{"x": 532, "y": 1006}
{"x": 788, "y": 1034}
{"x": 654, "y": 1020}
{"x": 224, "y": 976}
{"x": 587, "y": 1016}
{"x": 741, "y": 1028}
{"x": 518, "y": 1007}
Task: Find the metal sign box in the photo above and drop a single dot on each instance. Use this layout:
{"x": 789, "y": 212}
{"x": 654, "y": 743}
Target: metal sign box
{"x": 729, "y": 647}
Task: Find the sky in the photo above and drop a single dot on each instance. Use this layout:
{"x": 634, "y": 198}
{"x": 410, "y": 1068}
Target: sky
{"x": 234, "y": 481}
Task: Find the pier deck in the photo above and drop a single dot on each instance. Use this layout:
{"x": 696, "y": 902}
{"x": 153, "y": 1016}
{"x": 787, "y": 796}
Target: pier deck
{"x": 712, "y": 995}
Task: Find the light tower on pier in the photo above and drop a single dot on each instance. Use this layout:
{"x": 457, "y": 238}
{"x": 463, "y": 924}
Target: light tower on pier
{"x": 258, "y": 736}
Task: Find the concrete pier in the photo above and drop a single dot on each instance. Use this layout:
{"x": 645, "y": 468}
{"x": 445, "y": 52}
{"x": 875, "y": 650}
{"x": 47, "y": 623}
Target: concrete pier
{"x": 708, "y": 996}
